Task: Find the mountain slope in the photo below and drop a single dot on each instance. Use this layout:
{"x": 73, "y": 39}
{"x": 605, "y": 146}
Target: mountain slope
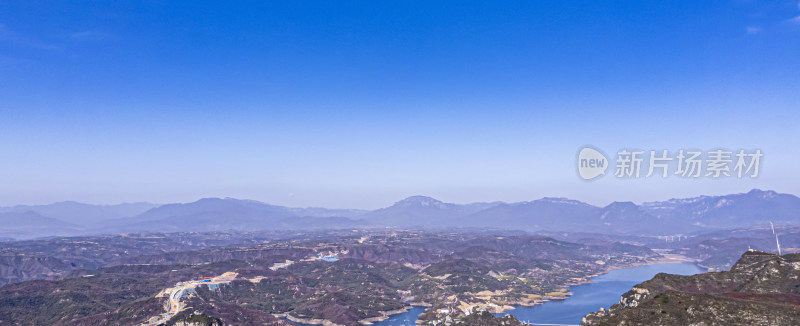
{"x": 80, "y": 213}
{"x": 627, "y": 217}
{"x": 760, "y": 289}
{"x": 543, "y": 214}
{"x": 217, "y": 214}
{"x": 422, "y": 211}
{"x": 729, "y": 211}
{"x": 22, "y": 225}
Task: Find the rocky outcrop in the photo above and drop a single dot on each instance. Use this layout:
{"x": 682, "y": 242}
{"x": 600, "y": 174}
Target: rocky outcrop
{"x": 485, "y": 318}
{"x": 760, "y": 289}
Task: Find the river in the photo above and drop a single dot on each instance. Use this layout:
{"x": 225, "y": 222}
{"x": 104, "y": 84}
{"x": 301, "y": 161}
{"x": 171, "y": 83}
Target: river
{"x": 605, "y": 290}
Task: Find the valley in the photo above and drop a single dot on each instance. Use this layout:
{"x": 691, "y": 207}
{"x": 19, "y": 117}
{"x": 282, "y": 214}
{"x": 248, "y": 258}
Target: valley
{"x": 376, "y": 275}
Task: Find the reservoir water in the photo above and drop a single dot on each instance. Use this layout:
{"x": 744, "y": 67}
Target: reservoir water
{"x": 604, "y": 292}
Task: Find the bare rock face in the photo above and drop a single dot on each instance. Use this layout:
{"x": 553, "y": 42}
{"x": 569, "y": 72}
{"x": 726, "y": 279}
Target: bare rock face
{"x": 760, "y": 289}
{"x": 633, "y": 299}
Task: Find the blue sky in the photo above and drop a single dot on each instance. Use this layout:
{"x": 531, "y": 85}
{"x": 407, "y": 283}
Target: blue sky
{"x": 359, "y": 104}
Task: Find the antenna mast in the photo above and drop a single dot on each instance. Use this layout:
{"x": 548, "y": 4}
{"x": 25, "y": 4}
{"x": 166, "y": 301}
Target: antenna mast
{"x": 776, "y": 237}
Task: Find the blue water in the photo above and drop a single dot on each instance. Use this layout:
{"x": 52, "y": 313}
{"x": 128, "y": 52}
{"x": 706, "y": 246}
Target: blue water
{"x": 404, "y": 319}
{"x": 605, "y": 291}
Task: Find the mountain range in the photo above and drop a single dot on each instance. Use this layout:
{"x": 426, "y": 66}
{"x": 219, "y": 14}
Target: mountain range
{"x": 674, "y": 216}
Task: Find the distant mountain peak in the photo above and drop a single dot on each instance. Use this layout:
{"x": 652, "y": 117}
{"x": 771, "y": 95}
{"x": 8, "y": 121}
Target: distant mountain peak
{"x": 420, "y": 201}
{"x": 621, "y": 204}
{"x": 562, "y": 200}
{"x": 213, "y": 199}
{"x": 762, "y": 193}
{"x": 30, "y": 214}
{"x": 69, "y": 202}
{"x": 225, "y": 200}
{"x": 671, "y": 203}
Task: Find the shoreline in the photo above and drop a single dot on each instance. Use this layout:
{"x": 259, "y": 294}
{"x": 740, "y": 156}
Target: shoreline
{"x": 664, "y": 259}
{"x": 384, "y": 315}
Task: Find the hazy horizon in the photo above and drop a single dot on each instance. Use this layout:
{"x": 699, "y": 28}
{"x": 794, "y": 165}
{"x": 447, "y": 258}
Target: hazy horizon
{"x": 390, "y": 203}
